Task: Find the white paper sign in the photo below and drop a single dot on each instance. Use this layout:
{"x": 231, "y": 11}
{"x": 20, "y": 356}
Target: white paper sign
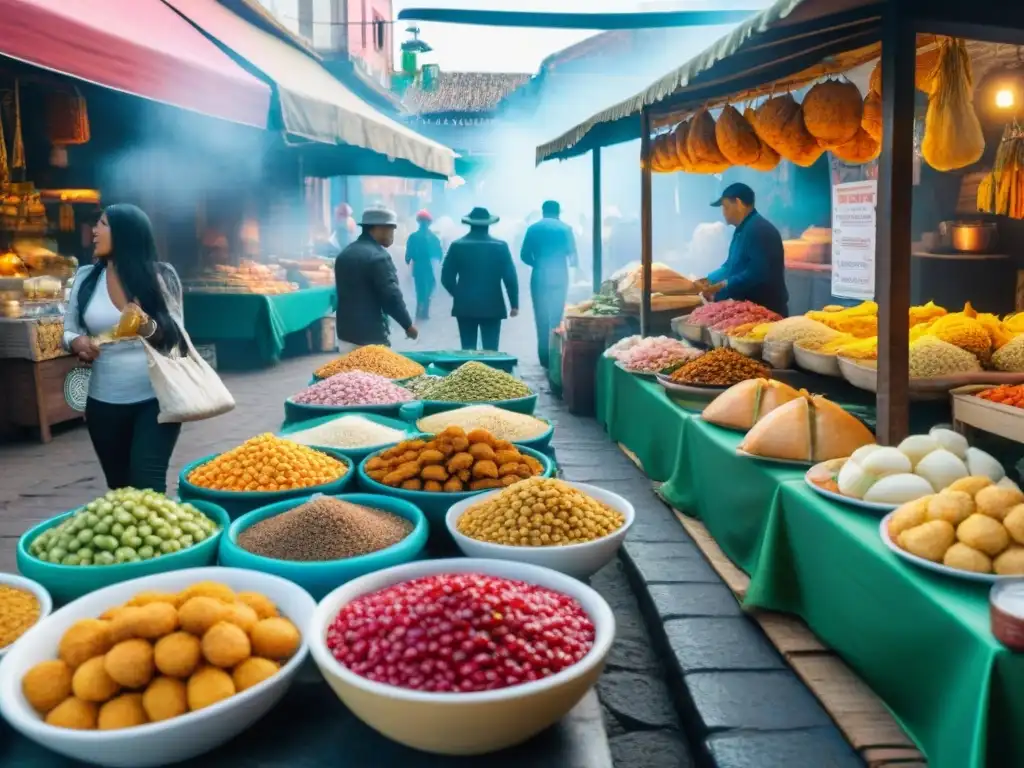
{"x": 853, "y": 239}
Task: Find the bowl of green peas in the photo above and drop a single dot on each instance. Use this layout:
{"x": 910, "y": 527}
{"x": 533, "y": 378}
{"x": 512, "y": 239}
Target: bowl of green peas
{"x": 124, "y": 534}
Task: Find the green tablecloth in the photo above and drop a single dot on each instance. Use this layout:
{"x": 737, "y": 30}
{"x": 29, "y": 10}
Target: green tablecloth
{"x": 636, "y": 413}
{"x": 263, "y": 320}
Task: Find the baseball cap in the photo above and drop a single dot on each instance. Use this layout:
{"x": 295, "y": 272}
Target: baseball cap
{"x": 737, "y": 191}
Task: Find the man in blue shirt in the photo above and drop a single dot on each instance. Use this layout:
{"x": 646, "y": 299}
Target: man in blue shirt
{"x": 755, "y": 270}
{"x": 549, "y": 248}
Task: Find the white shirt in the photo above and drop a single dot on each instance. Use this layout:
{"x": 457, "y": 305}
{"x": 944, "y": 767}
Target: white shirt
{"x": 120, "y": 374}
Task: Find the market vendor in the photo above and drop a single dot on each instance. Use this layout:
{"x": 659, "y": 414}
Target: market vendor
{"x": 755, "y": 268}
{"x": 549, "y": 249}
{"x": 367, "y": 285}
{"x": 423, "y": 251}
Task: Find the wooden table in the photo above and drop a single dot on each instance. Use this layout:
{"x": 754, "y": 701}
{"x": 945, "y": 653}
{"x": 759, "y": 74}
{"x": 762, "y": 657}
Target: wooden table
{"x": 34, "y": 394}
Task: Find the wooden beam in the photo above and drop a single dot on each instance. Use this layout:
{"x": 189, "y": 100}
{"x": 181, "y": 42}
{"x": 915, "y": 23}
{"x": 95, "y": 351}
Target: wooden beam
{"x": 646, "y": 222}
{"x": 892, "y": 250}
{"x": 597, "y": 228}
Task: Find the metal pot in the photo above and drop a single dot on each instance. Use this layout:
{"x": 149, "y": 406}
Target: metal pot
{"x": 974, "y": 237}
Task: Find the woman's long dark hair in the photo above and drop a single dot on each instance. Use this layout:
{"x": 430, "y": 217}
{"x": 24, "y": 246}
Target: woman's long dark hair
{"x": 133, "y": 249}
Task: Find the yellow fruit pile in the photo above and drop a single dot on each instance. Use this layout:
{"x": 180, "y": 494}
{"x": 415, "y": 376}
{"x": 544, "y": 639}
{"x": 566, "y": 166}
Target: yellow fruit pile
{"x": 267, "y": 463}
{"x": 160, "y": 656}
{"x": 373, "y": 358}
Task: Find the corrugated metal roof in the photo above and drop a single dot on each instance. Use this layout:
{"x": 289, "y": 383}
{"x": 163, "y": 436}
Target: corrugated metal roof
{"x": 463, "y": 92}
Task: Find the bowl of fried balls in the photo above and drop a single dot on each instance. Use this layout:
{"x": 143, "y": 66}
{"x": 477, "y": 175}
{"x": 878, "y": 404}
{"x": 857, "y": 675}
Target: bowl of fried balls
{"x": 159, "y": 669}
{"x": 974, "y": 530}
{"x": 573, "y": 528}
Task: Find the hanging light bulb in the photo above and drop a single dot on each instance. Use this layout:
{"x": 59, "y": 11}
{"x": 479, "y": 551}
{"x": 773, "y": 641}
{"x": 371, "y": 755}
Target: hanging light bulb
{"x": 1005, "y": 98}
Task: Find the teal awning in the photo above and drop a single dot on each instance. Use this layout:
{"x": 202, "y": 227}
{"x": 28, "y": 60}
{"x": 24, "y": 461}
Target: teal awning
{"x": 557, "y": 20}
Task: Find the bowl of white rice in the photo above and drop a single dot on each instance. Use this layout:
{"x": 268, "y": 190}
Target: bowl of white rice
{"x": 519, "y": 428}
{"x": 355, "y": 435}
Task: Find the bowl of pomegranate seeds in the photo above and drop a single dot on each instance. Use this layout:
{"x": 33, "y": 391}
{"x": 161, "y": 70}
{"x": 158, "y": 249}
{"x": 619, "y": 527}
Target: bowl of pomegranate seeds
{"x": 461, "y": 656}
{"x": 573, "y": 528}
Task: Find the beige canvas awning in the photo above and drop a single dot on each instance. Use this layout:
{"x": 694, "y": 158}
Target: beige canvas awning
{"x": 314, "y": 105}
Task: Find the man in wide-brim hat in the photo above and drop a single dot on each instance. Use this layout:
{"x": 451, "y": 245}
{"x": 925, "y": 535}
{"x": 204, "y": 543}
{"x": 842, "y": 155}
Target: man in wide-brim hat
{"x": 423, "y": 251}
{"x": 475, "y": 270}
{"x": 367, "y": 285}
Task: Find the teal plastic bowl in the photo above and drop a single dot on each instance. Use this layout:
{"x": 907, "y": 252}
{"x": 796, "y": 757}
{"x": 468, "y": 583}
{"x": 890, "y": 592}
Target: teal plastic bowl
{"x": 525, "y": 405}
{"x": 356, "y": 454}
{"x": 320, "y": 578}
{"x": 237, "y": 503}
{"x": 436, "y": 505}
{"x": 298, "y": 412}
{"x": 69, "y": 582}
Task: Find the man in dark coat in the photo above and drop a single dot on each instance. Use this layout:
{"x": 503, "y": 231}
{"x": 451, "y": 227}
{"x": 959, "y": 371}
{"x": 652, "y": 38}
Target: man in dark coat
{"x": 367, "y": 285}
{"x": 422, "y": 250}
{"x": 550, "y": 249}
{"x": 473, "y": 273}
{"x": 755, "y": 269}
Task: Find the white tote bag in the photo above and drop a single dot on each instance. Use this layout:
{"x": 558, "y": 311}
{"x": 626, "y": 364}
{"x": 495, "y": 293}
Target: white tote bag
{"x": 186, "y": 387}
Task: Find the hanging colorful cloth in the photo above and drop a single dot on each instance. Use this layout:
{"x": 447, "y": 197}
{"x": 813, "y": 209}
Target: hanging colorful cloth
{"x": 68, "y": 123}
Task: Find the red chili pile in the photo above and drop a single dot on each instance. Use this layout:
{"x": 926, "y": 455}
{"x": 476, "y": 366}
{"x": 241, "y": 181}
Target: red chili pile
{"x": 460, "y": 632}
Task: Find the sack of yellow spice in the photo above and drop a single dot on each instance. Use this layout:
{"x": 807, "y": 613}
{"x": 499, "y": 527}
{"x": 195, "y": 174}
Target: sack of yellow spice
{"x": 953, "y": 137}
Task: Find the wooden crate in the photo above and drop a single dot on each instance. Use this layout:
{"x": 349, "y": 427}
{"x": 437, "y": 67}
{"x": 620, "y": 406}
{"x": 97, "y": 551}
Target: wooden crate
{"x": 1003, "y": 420}
{"x": 590, "y": 327}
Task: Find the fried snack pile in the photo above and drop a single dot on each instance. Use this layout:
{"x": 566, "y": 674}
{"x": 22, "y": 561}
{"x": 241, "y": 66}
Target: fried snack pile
{"x": 160, "y": 656}
{"x": 267, "y": 463}
{"x": 452, "y": 462}
{"x": 373, "y": 358}
{"x": 973, "y": 525}
{"x": 540, "y": 512}
{"x": 720, "y": 368}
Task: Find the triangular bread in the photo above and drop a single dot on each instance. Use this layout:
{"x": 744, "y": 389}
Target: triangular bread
{"x": 785, "y": 433}
{"x": 736, "y": 407}
{"x": 837, "y": 434}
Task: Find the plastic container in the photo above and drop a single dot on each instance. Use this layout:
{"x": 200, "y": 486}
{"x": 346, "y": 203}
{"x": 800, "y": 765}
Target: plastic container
{"x": 237, "y": 503}
{"x": 319, "y": 578}
{"x": 525, "y": 405}
{"x": 298, "y": 412}
{"x": 69, "y": 582}
{"x": 435, "y": 505}
{"x": 356, "y": 454}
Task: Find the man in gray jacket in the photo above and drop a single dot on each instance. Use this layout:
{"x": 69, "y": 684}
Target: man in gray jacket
{"x": 367, "y": 285}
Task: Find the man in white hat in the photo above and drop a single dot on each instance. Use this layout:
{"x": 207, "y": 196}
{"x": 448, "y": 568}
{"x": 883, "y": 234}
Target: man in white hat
{"x": 367, "y": 285}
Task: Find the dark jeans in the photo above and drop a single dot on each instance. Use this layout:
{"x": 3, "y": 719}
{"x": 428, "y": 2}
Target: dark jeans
{"x": 490, "y": 332}
{"x": 133, "y": 448}
{"x": 548, "y": 307}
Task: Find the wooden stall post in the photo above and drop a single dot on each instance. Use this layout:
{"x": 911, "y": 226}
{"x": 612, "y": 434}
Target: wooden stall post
{"x": 893, "y": 235}
{"x": 646, "y": 224}
{"x": 597, "y": 230}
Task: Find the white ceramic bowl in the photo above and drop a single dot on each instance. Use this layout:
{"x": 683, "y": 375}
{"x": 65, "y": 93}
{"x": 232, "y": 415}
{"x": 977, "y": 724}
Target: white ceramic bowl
{"x": 37, "y": 589}
{"x": 169, "y": 741}
{"x": 463, "y": 723}
{"x": 578, "y": 560}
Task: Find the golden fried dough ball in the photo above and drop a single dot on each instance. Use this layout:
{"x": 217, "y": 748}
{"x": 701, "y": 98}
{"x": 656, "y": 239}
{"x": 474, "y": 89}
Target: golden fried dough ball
{"x": 971, "y": 484}
{"x": 125, "y": 623}
{"x": 253, "y": 671}
{"x": 952, "y": 506}
{"x": 145, "y": 598}
{"x": 208, "y": 686}
{"x": 130, "y": 663}
{"x": 996, "y": 502}
{"x": 84, "y": 640}
{"x": 198, "y": 614}
{"x": 126, "y": 711}
{"x": 415, "y": 484}
{"x": 225, "y": 645}
{"x": 1014, "y": 523}
{"x": 75, "y": 714}
{"x": 907, "y": 516}
{"x": 47, "y": 684}
{"x": 1010, "y": 562}
{"x": 92, "y": 683}
{"x": 966, "y": 558}
{"x": 275, "y": 639}
{"x": 165, "y": 698}
{"x": 929, "y": 540}
{"x": 264, "y": 607}
{"x": 177, "y": 655}
{"x": 241, "y": 615}
{"x": 210, "y": 589}
{"x": 983, "y": 533}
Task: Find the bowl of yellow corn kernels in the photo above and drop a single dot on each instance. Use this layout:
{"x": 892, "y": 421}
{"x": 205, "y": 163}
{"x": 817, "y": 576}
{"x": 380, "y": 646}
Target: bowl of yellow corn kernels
{"x": 573, "y": 528}
{"x": 23, "y": 603}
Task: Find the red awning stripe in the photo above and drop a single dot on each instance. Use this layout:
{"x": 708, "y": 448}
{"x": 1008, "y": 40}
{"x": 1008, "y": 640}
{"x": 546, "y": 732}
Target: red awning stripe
{"x": 141, "y": 47}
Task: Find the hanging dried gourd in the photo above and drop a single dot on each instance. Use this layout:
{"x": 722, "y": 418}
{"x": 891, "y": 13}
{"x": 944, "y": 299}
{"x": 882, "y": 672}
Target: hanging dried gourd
{"x": 652, "y": 158}
{"x": 1002, "y": 191}
{"x": 767, "y": 159}
{"x": 832, "y": 112}
{"x": 862, "y": 148}
{"x": 780, "y": 124}
{"x": 667, "y": 153}
{"x": 872, "y": 120}
{"x": 679, "y": 137}
{"x": 952, "y": 133}
{"x": 702, "y": 145}
{"x": 736, "y": 138}
{"x": 924, "y": 72}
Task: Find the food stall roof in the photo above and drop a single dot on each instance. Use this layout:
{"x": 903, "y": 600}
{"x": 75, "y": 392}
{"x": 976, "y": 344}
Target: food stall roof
{"x": 141, "y": 47}
{"x": 805, "y": 38}
{"x": 316, "y": 107}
